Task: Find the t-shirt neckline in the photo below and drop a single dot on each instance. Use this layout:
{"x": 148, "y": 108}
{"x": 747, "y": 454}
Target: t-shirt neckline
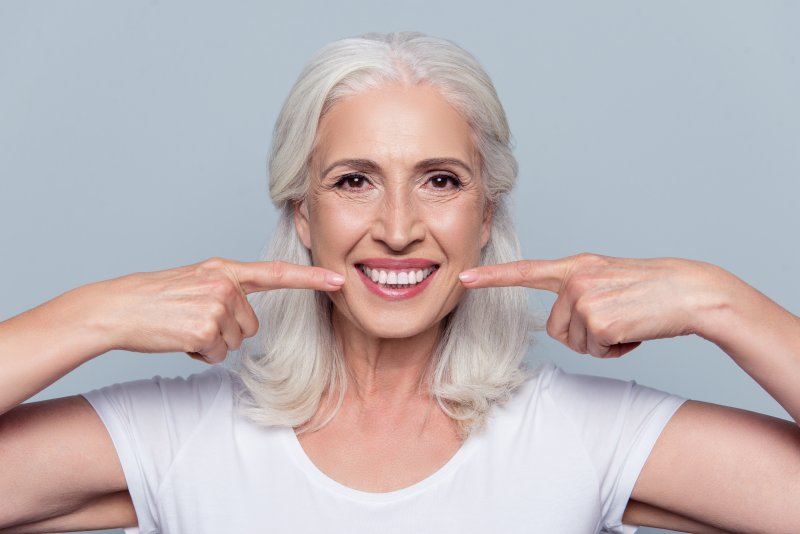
{"x": 317, "y": 476}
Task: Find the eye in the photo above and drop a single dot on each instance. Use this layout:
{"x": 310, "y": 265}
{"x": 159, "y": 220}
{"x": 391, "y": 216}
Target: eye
{"x": 352, "y": 181}
{"x": 444, "y": 181}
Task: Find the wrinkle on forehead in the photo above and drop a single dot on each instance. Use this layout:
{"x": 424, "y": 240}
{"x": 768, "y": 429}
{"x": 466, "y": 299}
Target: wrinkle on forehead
{"x": 397, "y": 124}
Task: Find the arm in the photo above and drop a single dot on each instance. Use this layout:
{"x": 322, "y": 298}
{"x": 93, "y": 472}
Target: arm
{"x": 59, "y": 470}
{"x": 58, "y": 466}
{"x": 41, "y": 345}
{"x": 736, "y": 469}
{"x": 717, "y": 466}
{"x": 107, "y": 511}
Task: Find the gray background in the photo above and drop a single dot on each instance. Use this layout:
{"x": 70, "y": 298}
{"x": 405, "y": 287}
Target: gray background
{"x": 133, "y": 137}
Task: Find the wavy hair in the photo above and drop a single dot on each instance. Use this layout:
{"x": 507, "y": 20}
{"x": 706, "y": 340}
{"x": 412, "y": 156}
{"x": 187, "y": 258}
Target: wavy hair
{"x": 295, "y": 358}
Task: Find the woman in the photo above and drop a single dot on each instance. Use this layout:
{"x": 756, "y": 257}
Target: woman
{"x": 392, "y": 397}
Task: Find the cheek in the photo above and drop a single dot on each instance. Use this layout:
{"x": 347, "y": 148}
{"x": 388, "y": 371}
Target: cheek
{"x": 458, "y": 231}
{"x": 334, "y": 231}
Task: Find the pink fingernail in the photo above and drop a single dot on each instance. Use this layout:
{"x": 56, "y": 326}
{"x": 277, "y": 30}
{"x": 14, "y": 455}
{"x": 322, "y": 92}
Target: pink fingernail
{"x": 335, "y": 279}
{"x": 468, "y": 276}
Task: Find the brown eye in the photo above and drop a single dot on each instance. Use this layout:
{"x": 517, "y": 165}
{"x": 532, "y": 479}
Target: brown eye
{"x": 352, "y": 181}
{"x": 444, "y": 181}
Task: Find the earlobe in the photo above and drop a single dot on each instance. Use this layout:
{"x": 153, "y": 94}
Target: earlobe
{"x": 301, "y": 223}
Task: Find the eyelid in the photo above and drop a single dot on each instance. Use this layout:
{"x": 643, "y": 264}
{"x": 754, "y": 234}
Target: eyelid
{"x": 456, "y": 179}
{"x": 339, "y": 180}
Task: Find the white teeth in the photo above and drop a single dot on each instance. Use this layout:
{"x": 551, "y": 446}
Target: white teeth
{"x": 397, "y": 278}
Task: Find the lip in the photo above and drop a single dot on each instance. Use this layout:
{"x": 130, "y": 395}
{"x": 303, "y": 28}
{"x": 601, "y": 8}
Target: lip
{"x": 395, "y": 293}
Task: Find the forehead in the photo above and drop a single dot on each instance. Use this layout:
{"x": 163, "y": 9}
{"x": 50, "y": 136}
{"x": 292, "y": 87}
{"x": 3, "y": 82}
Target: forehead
{"x": 396, "y": 124}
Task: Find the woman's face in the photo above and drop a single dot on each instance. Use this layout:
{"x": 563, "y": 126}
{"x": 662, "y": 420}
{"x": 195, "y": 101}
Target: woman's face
{"x": 396, "y": 205}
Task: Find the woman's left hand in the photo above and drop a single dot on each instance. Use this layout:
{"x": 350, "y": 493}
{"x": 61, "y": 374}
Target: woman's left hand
{"x": 607, "y": 306}
{"x": 719, "y": 466}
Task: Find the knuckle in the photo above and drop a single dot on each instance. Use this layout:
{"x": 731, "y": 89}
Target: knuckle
{"x": 587, "y": 258}
{"x": 213, "y": 264}
{"x": 523, "y": 268}
{"x": 603, "y": 331}
{"x": 216, "y": 309}
{"x": 278, "y": 269}
{"x": 207, "y": 334}
{"x": 251, "y": 328}
{"x": 588, "y": 262}
{"x": 583, "y": 308}
{"x": 578, "y": 347}
{"x": 223, "y": 288}
{"x": 579, "y": 284}
{"x": 597, "y": 351}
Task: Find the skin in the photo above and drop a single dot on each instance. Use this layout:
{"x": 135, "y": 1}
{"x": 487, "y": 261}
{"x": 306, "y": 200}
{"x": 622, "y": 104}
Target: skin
{"x": 393, "y": 210}
{"x": 393, "y": 207}
{"x": 713, "y": 469}
{"x": 199, "y": 309}
{"x": 716, "y": 467}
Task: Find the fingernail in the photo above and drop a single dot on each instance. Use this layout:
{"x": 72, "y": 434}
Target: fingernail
{"x": 468, "y": 276}
{"x": 334, "y": 279}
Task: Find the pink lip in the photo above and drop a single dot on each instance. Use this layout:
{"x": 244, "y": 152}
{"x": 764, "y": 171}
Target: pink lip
{"x": 396, "y": 293}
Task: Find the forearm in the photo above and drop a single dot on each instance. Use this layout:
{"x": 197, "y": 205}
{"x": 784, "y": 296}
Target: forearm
{"x": 762, "y": 338}
{"x": 45, "y": 343}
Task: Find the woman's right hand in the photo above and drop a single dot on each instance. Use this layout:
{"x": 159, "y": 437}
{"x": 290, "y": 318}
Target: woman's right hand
{"x": 199, "y": 309}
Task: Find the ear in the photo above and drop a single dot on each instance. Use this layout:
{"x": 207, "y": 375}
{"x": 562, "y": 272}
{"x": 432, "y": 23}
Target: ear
{"x": 486, "y": 225}
{"x": 301, "y": 222}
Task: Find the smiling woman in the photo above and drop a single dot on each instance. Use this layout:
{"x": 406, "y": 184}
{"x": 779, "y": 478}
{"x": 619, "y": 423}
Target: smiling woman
{"x": 407, "y": 168}
{"x": 382, "y": 387}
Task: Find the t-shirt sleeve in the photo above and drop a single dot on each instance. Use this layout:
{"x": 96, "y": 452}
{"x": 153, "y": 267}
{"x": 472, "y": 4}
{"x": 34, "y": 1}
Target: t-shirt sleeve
{"x": 149, "y": 421}
{"x": 619, "y": 423}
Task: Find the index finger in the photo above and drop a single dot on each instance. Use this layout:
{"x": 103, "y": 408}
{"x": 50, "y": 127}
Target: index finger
{"x": 539, "y": 274}
{"x": 266, "y": 275}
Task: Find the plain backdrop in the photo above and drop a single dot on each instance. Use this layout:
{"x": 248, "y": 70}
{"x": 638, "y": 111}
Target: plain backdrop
{"x": 133, "y": 137}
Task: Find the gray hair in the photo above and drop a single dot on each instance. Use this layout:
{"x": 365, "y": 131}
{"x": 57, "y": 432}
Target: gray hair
{"x": 295, "y": 359}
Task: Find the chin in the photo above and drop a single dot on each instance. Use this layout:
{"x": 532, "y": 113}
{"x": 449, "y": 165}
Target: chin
{"x": 399, "y": 333}
{"x": 389, "y": 322}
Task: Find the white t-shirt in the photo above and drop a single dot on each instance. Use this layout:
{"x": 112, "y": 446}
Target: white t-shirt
{"x": 561, "y": 457}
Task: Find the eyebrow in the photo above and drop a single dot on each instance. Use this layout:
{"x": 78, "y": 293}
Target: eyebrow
{"x": 367, "y": 165}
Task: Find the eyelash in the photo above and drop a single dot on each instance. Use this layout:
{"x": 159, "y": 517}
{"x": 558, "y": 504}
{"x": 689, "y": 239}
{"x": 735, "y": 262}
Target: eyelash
{"x": 449, "y": 177}
{"x": 342, "y": 182}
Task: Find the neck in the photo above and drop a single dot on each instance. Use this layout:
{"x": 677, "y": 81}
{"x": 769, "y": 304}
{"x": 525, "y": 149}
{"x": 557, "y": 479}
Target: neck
{"x": 385, "y": 371}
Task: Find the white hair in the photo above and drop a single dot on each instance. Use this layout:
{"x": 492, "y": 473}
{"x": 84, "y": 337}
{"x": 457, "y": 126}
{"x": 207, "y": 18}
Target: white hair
{"x": 296, "y": 359}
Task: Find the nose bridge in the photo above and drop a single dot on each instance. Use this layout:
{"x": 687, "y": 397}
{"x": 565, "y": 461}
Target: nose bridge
{"x": 400, "y": 223}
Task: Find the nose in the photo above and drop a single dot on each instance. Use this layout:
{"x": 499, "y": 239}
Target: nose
{"x": 398, "y": 223}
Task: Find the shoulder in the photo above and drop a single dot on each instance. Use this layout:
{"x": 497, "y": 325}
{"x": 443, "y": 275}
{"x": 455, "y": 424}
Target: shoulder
{"x": 572, "y": 391}
{"x": 590, "y": 407}
{"x": 199, "y": 386}
{"x": 598, "y": 429}
{"x": 175, "y": 404}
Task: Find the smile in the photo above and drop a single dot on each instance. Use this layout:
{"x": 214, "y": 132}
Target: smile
{"x": 397, "y": 279}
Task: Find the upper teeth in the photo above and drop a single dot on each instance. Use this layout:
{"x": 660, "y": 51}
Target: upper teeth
{"x": 400, "y": 278}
